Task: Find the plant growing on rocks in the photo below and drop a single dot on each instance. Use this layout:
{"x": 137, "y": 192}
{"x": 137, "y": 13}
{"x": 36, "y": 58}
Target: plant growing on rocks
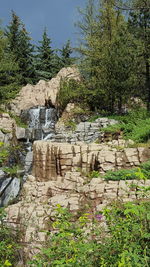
{"x": 84, "y": 242}
{"x": 9, "y": 243}
{"x": 140, "y": 173}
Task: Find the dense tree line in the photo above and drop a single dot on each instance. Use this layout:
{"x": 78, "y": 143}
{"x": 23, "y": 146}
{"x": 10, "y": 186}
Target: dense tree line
{"x": 115, "y": 52}
{"x": 21, "y": 62}
{"x": 114, "y": 56}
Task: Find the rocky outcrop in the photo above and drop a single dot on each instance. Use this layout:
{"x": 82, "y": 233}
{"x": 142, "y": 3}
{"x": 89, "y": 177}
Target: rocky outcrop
{"x": 53, "y": 159}
{"x": 59, "y": 178}
{"x": 38, "y": 199}
{"x": 37, "y": 95}
{"x": 6, "y": 125}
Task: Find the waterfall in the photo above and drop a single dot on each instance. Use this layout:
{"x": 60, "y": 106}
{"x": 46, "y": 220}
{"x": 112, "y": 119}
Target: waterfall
{"x": 34, "y": 118}
{"x": 42, "y": 122}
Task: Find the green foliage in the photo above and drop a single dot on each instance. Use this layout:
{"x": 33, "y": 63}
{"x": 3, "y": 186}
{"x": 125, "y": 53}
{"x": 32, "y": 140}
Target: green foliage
{"x": 9, "y": 248}
{"x": 128, "y": 245}
{"x": 45, "y": 67}
{"x": 18, "y": 120}
{"x": 21, "y": 49}
{"x": 71, "y": 125}
{"x": 10, "y": 157}
{"x": 125, "y": 243}
{"x": 71, "y": 91}
{"x": 4, "y": 153}
{"x": 139, "y": 25}
{"x": 135, "y": 125}
{"x": 13, "y": 171}
{"x": 8, "y": 72}
{"x": 94, "y": 174}
{"x": 68, "y": 246}
{"x": 65, "y": 56}
{"x": 108, "y": 44}
{"x": 140, "y": 173}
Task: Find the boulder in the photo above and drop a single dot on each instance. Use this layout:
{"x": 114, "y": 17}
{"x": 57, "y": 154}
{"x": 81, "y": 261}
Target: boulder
{"x": 9, "y": 190}
{"x": 6, "y": 122}
{"x": 42, "y": 92}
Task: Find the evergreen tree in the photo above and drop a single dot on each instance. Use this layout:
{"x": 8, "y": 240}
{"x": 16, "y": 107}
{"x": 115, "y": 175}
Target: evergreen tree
{"x": 66, "y": 52}
{"x": 9, "y": 77}
{"x": 25, "y": 58}
{"x": 45, "y": 58}
{"x": 21, "y": 49}
{"x": 139, "y": 26}
{"x": 108, "y": 59}
{"x": 13, "y": 35}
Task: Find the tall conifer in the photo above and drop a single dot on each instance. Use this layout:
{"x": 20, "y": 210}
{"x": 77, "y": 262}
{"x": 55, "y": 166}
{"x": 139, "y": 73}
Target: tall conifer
{"x": 45, "y": 58}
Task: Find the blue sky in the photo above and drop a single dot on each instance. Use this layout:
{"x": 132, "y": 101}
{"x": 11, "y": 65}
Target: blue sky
{"x": 58, "y": 16}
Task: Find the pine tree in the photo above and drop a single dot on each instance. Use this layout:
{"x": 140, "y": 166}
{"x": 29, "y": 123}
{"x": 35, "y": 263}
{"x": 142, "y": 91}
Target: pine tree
{"x": 12, "y": 33}
{"x": 45, "y": 58}
{"x": 66, "y": 51}
{"x": 21, "y": 49}
{"x": 9, "y": 77}
{"x": 25, "y": 57}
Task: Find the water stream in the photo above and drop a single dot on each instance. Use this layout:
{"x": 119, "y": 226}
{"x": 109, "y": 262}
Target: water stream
{"x": 41, "y": 121}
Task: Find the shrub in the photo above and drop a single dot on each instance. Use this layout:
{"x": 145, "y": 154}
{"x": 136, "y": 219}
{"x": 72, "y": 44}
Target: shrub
{"x": 142, "y": 172}
{"x": 71, "y": 91}
{"x": 125, "y": 174}
{"x": 84, "y": 242}
{"x": 135, "y": 125}
{"x": 9, "y": 248}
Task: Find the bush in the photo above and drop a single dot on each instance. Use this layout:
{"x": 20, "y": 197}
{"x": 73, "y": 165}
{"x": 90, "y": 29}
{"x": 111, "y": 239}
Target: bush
{"x": 142, "y": 172}
{"x": 84, "y": 242}
{"x": 71, "y": 91}
{"x": 135, "y": 125}
{"x": 9, "y": 248}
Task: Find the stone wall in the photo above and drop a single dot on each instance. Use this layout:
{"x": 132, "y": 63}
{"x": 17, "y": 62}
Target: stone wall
{"x": 53, "y": 159}
{"x": 87, "y": 132}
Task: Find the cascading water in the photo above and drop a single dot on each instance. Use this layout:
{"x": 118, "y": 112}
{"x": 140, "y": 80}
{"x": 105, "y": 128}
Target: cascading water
{"x": 41, "y": 125}
{"x": 41, "y": 121}
{"x": 34, "y": 118}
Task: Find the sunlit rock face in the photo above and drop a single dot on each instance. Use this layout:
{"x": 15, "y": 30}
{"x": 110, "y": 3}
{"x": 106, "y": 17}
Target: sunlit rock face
{"x": 43, "y": 91}
{"x": 58, "y": 177}
{"x": 53, "y": 159}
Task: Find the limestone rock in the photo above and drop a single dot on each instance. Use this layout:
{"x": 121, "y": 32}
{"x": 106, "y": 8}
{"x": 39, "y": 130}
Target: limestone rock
{"x": 36, "y": 95}
{"x": 6, "y": 122}
{"x": 53, "y": 159}
{"x": 21, "y": 133}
